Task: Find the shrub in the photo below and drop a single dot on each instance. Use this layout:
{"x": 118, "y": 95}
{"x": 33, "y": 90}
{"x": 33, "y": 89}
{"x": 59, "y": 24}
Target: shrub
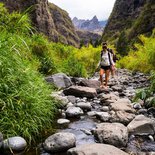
{"x": 142, "y": 58}
{"x": 26, "y": 107}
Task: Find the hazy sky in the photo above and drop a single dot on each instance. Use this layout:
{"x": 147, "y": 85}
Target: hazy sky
{"x": 86, "y": 9}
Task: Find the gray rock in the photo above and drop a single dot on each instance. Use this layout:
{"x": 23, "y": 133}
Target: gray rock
{"x": 104, "y": 108}
{"x": 74, "y": 112}
{"x": 62, "y": 99}
{"x": 79, "y": 91}
{"x": 63, "y": 121}
{"x": 59, "y": 142}
{"x": 60, "y": 80}
{"x": 15, "y": 143}
{"x": 142, "y": 111}
{"x": 110, "y": 96}
{"x": 90, "y": 83}
{"x": 141, "y": 125}
{"x": 91, "y": 113}
{"x": 112, "y": 133}
{"x": 122, "y": 117}
{"x": 70, "y": 105}
{"x": 84, "y": 105}
{"x": 117, "y": 88}
{"x": 71, "y": 99}
{"x": 122, "y": 105}
{"x": 137, "y": 106}
{"x": 95, "y": 149}
{"x": 103, "y": 116}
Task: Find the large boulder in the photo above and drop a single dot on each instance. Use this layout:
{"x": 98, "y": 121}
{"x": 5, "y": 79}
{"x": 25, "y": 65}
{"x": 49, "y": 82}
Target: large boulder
{"x": 14, "y": 143}
{"x": 74, "y": 112}
{"x": 59, "y": 142}
{"x": 122, "y": 105}
{"x": 95, "y": 149}
{"x": 90, "y": 83}
{"x": 141, "y": 125}
{"x": 112, "y": 133}
{"x": 106, "y": 99}
{"x": 60, "y": 80}
{"x": 122, "y": 117}
{"x": 80, "y": 91}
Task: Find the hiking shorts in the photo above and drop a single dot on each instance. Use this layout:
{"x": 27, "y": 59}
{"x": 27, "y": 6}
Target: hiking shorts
{"x": 105, "y": 67}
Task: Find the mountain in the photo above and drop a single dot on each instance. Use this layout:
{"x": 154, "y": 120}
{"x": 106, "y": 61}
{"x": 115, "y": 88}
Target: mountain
{"x": 129, "y": 19}
{"x": 47, "y": 18}
{"x": 93, "y": 25}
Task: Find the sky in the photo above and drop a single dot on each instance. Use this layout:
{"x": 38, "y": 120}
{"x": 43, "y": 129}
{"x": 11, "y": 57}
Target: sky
{"x": 86, "y": 9}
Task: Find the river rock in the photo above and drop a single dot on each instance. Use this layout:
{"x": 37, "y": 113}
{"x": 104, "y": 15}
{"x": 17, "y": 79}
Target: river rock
{"x": 62, "y": 99}
{"x": 122, "y": 117}
{"x": 84, "y": 105}
{"x": 117, "y": 88}
{"x": 71, "y": 99}
{"x": 63, "y": 121}
{"x": 112, "y": 133}
{"x": 141, "y": 125}
{"x": 122, "y": 105}
{"x": 90, "y": 83}
{"x": 14, "y": 143}
{"x": 80, "y": 91}
{"x": 91, "y": 113}
{"x": 103, "y": 116}
{"x": 59, "y": 142}
{"x": 106, "y": 99}
{"x": 60, "y": 80}
{"x": 104, "y": 108}
{"x": 74, "y": 112}
{"x": 95, "y": 149}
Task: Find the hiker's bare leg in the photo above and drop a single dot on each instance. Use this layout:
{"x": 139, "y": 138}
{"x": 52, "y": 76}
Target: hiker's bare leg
{"x": 107, "y": 72}
{"x": 101, "y": 76}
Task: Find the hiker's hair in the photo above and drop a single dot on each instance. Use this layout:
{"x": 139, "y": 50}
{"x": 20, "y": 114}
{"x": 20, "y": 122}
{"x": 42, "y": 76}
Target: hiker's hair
{"x": 104, "y": 43}
{"x": 104, "y": 46}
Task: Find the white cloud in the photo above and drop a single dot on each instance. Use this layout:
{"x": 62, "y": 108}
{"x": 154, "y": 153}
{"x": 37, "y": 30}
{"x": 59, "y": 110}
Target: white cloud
{"x": 86, "y": 9}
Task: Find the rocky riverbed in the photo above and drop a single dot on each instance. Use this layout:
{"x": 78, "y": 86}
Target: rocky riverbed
{"x": 101, "y": 121}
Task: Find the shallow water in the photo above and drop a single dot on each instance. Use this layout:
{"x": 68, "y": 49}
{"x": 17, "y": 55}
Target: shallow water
{"x": 80, "y": 128}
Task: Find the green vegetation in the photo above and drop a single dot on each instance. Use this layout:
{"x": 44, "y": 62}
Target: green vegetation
{"x": 26, "y": 107}
{"x": 143, "y": 57}
{"x": 123, "y": 28}
{"x": 147, "y": 94}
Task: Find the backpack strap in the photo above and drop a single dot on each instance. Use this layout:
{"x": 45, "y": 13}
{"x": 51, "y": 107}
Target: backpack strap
{"x": 109, "y": 58}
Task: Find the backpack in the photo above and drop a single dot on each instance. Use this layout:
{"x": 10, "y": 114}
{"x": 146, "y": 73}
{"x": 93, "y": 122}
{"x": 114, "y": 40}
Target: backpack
{"x": 114, "y": 55}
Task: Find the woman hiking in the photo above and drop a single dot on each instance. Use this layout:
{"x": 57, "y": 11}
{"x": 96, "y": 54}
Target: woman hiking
{"x": 106, "y": 63}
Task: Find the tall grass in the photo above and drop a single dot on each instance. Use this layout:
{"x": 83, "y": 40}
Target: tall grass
{"x": 26, "y": 107}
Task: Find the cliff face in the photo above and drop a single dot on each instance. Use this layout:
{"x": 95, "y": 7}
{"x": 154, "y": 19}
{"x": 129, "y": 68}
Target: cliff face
{"x": 132, "y": 16}
{"x": 48, "y": 19}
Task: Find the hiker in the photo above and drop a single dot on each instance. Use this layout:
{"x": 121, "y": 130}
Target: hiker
{"x": 106, "y": 63}
{"x": 112, "y": 69}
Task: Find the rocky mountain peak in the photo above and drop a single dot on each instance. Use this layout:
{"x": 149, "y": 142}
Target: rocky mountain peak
{"x": 93, "y": 25}
{"x": 95, "y": 19}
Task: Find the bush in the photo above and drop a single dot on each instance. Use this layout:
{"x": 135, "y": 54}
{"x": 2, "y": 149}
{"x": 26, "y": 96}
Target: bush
{"x": 26, "y": 107}
{"x": 142, "y": 58}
